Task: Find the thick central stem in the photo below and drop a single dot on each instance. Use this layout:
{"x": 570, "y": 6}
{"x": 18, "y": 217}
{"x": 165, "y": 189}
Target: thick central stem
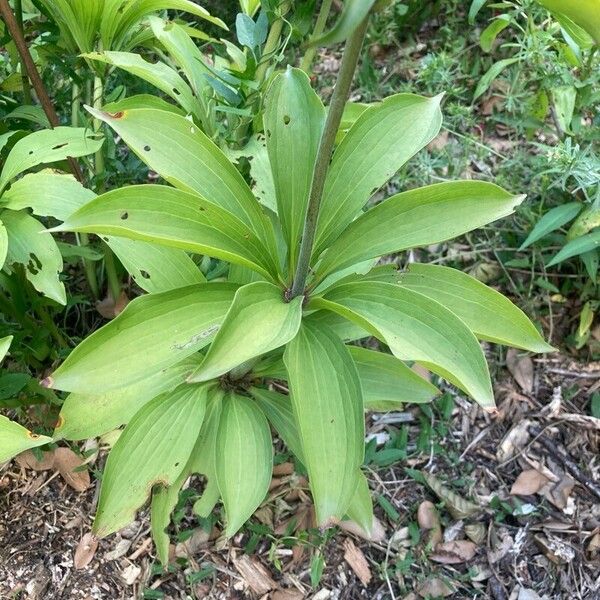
{"x": 332, "y": 124}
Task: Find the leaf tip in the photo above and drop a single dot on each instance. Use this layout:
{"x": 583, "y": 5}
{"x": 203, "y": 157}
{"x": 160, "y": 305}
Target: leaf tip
{"x": 47, "y": 382}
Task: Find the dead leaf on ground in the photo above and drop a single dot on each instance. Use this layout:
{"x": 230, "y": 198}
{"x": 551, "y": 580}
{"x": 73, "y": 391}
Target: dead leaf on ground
{"x": 528, "y": 594}
{"x": 560, "y": 493}
{"x": 287, "y": 595}
{"x": 459, "y": 507}
{"x": 377, "y": 535}
{"x": 85, "y": 551}
{"x": 66, "y": 462}
{"x": 439, "y": 142}
{"x": 555, "y": 549}
{"x": 434, "y": 587}
{"x": 28, "y": 460}
{"x": 521, "y": 368}
{"x": 528, "y": 482}
{"x": 193, "y": 544}
{"x": 452, "y": 553}
{"x": 357, "y": 561}
{"x": 514, "y": 441}
{"x": 476, "y": 532}
{"x": 427, "y": 515}
{"x": 130, "y": 574}
{"x": 255, "y": 575}
{"x": 109, "y": 309}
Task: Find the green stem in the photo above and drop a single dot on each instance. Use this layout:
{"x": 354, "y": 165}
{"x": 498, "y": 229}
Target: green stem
{"x": 332, "y": 124}
{"x": 114, "y": 285}
{"x": 309, "y": 55}
{"x": 51, "y": 326}
{"x": 272, "y": 43}
{"x": 27, "y": 97}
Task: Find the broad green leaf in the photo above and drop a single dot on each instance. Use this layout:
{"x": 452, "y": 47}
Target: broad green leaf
{"x": 486, "y": 79}
{"x": 551, "y": 221}
{"x": 419, "y": 217}
{"x": 416, "y": 328}
{"x": 244, "y": 459}
{"x": 178, "y": 151}
{"x": 48, "y": 194}
{"x": 278, "y": 410}
{"x": 47, "y": 146}
{"x": 168, "y": 327}
{"x": 32, "y": 113}
{"x": 154, "y": 448}
{"x": 361, "y": 507}
{"x": 353, "y": 14}
{"x": 564, "y": 98}
{"x": 584, "y": 13}
{"x": 156, "y": 268}
{"x": 344, "y": 329}
{"x": 258, "y": 321}
{"x": 489, "y": 314}
{"x": 328, "y": 407}
{"x": 588, "y": 219}
{"x": 476, "y": 6}
{"x": 574, "y": 34}
{"x": 165, "y": 498}
{"x": 158, "y": 74}
{"x": 84, "y": 416}
{"x": 576, "y": 247}
{"x": 352, "y": 111}
{"x": 249, "y": 6}
{"x": 142, "y": 101}
{"x": 171, "y": 217}
{"x": 370, "y": 154}
{"x": 14, "y": 439}
{"x": 387, "y": 383}
{"x": 5, "y": 343}
{"x": 490, "y": 33}
{"x": 5, "y": 137}
{"x": 3, "y": 244}
{"x": 293, "y": 120}
{"x": 28, "y": 245}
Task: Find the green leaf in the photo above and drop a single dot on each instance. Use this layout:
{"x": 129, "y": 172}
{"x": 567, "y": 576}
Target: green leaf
{"x": 15, "y": 439}
{"x": 244, "y": 459}
{"x": 416, "y": 328}
{"x": 142, "y": 101}
{"x": 328, "y": 407}
{"x": 157, "y": 74}
{"x": 293, "y": 120}
{"x": 164, "y": 498}
{"x": 38, "y": 253}
{"x": 361, "y": 507}
{"x": 370, "y": 154}
{"x": 28, "y": 112}
{"x": 5, "y": 343}
{"x": 278, "y": 410}
{"x": 554, "y": 219}
{"x": 584, "y": 13}
{"x": 156, "y": 268}
{"x": 47, "y": 146}
{"x": 169, "y": 327}
{"x": 564, "y": 98}
{"x": 486, "y": 79}
{"x": 588, "y": 219}
{"x": 387, "y": 383}
{"x": 84, "y": 416}
{"x": 3, "y": 244}
{"x": 575, "y": 247}
{"x": 154, "y": 448}
{"x": 489, "y": 314}
{"x": 258, "y": 321}
{"x": 491, "y": 32}
{"x": 353, "y": 14}
{"x": 171, "y": 217}
{"x": 173, "y": 147}
{"x": 47, "y": 193}
{"x": 476, "y": 6}
{"x": 418, "y": 217}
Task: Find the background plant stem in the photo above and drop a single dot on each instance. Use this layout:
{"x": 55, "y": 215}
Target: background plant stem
{"x": 332, "y": 124}
{"x": 309, "y": 55}
{"x": 27, "y": 97}
{"x": 271, "y": 44}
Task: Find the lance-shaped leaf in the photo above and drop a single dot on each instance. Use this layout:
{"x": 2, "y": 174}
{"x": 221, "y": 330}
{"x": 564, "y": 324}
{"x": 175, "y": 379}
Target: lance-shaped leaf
{"x": 419, "y": 217}
{"x": 576, "y": 247}
{"x": 178, "y": 151}
{"x": 164, "y": 498}
{"x": 489, "y": 314}
{"x": 156, "y": 268}
{"x": 293, "y": 121}
{"x": 154, "y": 448}
{"x": 158, "y": 74}
{"x": 142, "y": 101}
{"x": 5, "y": 343}
{"x": 171, "y": 217}
{"x": 168, "y": 327}
{"x": 370, "y": 154}
{"x": 554, "y": 219}
{"x": 416, "y": 328}
{"x": 258, "y": 321}
{"x": 353, "y": 13}
{"x": 361, "y": 507}
{"x": 328, "y": 407}
{"x": 47, "y": 146}
{"x": 244, "y": 459}
{"x": 584, "y": 13}
{"x": 48, "y": 194}
{"x": 387, "y": 382}
{"x": 3, "y": 244}
{"x": 14, "y": 439}
{"x": 84, "y": 416}
{"x": 38, "y": 253}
